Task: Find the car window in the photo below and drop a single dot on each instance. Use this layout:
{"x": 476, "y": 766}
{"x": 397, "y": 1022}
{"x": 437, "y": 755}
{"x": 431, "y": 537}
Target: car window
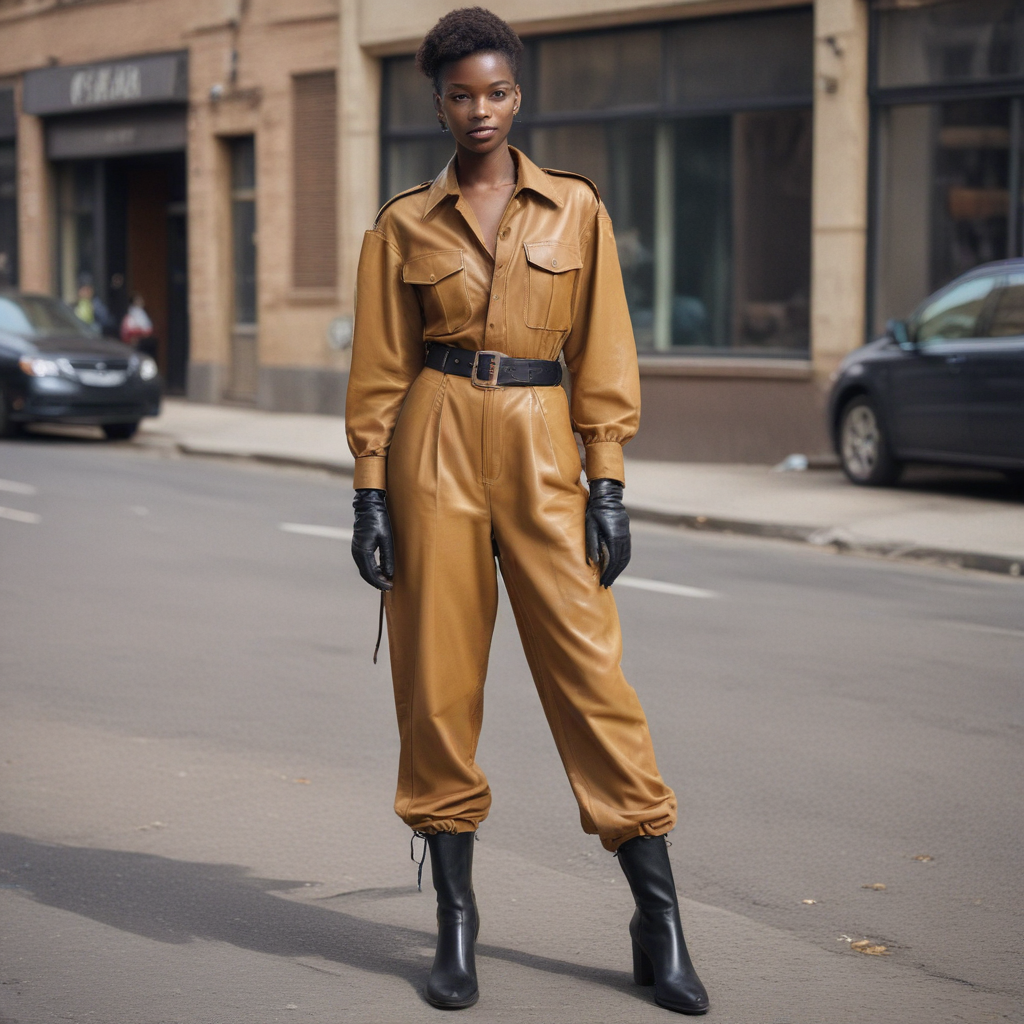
{"x": 1008, "y": 315}
{"x": 38, "y": 316}
{"x": 954, "y": 314}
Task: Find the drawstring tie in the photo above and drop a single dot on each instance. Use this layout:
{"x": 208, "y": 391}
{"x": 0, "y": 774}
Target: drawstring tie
{"x": 380, "y": 629}
{"x": 412, "y": 856}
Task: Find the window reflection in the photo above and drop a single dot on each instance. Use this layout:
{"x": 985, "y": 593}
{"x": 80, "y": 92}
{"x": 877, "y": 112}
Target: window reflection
{"x": 598, "y": 72}
{"x": 962, "y": 41}
{"x": 945, "y": 196}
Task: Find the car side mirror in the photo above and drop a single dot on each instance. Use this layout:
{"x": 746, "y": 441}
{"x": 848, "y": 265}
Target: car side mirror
{"x": 897, "y": 330}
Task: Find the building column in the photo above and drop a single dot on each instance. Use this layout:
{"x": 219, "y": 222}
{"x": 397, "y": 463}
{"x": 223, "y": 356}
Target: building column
{"x": 358, "y": 148}
{"x": 840, "y": 182}
{"x": 35, "y": 228}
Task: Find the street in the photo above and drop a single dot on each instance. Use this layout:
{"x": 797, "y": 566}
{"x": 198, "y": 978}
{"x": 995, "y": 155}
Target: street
{"x": 198, "y": 763}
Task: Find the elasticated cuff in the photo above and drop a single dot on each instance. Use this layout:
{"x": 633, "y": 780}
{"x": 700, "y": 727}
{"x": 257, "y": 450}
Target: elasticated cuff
{"x": 604, "y": 461}
{"x": 371, "y": 471}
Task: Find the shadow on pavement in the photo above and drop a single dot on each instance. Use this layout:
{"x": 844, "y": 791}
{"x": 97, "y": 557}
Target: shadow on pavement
{"x": 962, "y": 483}
{"x": 179, "y": 901}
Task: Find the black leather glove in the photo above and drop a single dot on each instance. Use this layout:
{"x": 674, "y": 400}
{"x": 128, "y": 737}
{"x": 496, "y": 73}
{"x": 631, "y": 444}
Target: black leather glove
{"x": 372, "y": 530}
{"x": 607, "y": 529}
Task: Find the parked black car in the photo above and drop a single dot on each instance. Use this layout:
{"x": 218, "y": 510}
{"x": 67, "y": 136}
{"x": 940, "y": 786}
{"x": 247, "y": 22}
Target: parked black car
{"x": 944, "y": 386}
{"x": 56, "y": 369}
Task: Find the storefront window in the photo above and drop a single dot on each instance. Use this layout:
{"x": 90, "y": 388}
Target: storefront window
{"x": 698, "y": 135}
{"x": 79, "y": 199}
{"x": 952, "y": 42}
{"x": 948, "y": 168}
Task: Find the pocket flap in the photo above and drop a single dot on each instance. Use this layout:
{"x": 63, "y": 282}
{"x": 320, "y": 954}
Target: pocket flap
{"x": 554, "y": 257}
{"x": 433, "y": 267}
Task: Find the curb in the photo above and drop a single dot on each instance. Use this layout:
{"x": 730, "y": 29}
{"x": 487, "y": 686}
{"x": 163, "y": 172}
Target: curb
{"x": 294, "y": 461}
{"x": 837, "y": 540}
{"x": 831, "y": 538}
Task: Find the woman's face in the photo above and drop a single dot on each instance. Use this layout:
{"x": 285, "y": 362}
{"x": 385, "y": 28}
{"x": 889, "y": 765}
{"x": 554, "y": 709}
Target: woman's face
{"x": 478, "y": 100}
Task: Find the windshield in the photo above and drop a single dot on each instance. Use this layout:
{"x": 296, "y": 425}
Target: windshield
{"x": 36, "y": 316}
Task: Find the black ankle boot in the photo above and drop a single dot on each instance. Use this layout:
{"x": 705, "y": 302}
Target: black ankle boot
{"x": 659, "y": 949}
{"x": 452, "y": 983}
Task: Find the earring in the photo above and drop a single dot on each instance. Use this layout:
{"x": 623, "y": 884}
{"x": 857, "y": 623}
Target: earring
{"x": 444, "y": 124}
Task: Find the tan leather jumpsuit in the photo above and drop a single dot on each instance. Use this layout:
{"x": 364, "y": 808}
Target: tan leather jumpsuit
{"x": 466, "y": 468}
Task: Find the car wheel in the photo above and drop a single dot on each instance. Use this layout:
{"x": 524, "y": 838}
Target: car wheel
{"x": 120, "y": 431}
{"x": 863, "y": 446}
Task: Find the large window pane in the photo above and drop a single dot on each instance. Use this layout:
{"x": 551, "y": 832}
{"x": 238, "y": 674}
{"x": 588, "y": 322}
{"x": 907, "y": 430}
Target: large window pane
{"x": 408, "y": 96}
{"x": 772, "y": 218}
{"x": 964, "y": 41}
{"x": 619, "y": 159}
{"x": 411, "y": 161}
{"x": 944, "y": 200}
{"x": 700, "y": 300}
{"x": 599, "y": 72}
{"x": 741, "y": 58}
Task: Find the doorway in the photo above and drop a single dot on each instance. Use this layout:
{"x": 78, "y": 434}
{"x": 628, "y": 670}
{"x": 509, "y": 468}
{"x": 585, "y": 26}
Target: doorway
{"x": 122, "y": 226}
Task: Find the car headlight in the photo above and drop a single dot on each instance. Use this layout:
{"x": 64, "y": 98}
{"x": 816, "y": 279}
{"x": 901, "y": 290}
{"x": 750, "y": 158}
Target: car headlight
{"x": 147, "y": 368}
{"x": 34, "y": 366}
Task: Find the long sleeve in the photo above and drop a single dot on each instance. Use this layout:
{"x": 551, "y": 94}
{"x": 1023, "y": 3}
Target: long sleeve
{"x": 601, "y": 356}
{"x": 387, "y": 354}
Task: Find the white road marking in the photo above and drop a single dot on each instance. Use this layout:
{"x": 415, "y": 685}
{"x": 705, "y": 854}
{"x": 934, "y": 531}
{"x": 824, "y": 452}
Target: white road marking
{"x": 18, "y": 516}
{"x": 13, "y": 487}
{"x": 312, "y": 530}
{"x": 658, "y": 587}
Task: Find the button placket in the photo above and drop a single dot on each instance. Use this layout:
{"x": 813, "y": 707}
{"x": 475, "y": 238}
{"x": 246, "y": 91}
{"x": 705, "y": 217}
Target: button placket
{"x": 495, "y": 329}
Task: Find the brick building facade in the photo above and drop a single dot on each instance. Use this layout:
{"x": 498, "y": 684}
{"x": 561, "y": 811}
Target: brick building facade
{"x": 224, "y": 157}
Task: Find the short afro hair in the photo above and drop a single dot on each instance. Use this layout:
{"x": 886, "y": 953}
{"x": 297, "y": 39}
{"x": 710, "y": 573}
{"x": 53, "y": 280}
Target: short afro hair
{"x": 463, "y": 32}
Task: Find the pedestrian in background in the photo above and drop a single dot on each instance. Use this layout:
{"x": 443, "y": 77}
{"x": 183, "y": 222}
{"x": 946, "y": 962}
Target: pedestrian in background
{"x": 469, "y": 288}
{"x": 136, "y": 327}
{"x": 90, "y": 308}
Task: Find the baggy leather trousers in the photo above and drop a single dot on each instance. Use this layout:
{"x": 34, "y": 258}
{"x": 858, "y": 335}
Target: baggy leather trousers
{"x": 466, "y": 465}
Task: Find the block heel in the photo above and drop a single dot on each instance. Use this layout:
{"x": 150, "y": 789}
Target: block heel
{"x": 643, "y": 969}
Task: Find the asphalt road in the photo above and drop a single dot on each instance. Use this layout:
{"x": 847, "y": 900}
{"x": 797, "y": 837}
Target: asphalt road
{"x": 198, "y": 759}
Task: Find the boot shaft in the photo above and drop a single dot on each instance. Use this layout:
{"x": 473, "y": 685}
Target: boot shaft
{"x": 648, "y": 870}
{"x": 451, "y": 868}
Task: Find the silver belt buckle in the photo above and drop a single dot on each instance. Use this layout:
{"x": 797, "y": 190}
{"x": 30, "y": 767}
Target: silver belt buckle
{"x": 491, "y": 380}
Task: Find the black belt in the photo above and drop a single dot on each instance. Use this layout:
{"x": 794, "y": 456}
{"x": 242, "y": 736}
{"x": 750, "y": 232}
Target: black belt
{"x": 494, "y": 370}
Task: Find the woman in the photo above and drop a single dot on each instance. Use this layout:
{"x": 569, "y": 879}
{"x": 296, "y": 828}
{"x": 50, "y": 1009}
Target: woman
{"x": 469, "y": 288}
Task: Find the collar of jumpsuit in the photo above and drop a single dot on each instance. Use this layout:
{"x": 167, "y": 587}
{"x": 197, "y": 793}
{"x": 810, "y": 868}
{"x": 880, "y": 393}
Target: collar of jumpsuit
{"x": 552, "y": 287}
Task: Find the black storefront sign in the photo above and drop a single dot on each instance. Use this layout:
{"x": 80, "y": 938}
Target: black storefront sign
{"x": 155, "y": 78}
{"x": 116, "y": 133}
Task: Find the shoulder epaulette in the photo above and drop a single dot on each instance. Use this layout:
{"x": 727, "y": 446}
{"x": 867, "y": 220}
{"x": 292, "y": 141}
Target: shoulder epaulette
{"x": 573, "y": 174}
{"x": 408, "y": 192}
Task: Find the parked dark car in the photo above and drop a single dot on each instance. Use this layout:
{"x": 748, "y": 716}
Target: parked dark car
{"x": 944, "y": 386}
{"x": 56, "y": 369}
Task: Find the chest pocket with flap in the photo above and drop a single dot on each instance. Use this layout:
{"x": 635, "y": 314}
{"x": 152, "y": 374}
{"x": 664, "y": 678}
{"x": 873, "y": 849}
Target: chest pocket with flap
{"x": 440, "y": 278}
{"x": 552, "y": 268}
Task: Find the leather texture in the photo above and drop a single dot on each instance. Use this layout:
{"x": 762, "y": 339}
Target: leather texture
{"x": 472, "y": 472}
{"x": 553, "y": 286}
{"x": 660, "y": 957}
{"x": 452, "y": 984}
{"x": 608, "y": 542}
{"x": 371, "y": 532}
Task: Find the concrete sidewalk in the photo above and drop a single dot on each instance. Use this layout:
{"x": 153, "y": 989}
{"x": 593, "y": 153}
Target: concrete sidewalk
{"x": 970, "y": 520}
